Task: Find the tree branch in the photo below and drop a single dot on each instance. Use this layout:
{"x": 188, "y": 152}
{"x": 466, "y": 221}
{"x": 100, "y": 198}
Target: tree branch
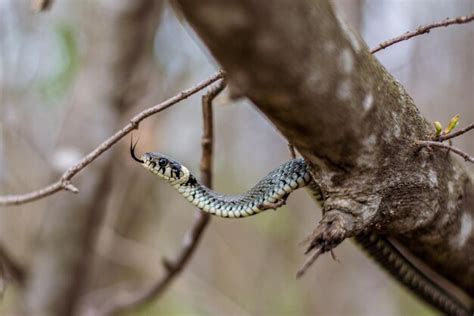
{"x": 460, "y": 132}
{"x": 64, "y": 182}
{"x": 423, "y": 30}
{"x": 429, "y": 144}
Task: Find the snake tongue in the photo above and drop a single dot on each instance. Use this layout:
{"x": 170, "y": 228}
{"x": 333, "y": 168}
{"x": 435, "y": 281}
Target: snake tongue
{"x": 132, "y": 150}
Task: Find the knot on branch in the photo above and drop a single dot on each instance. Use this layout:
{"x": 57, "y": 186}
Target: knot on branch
{"x": 168, "y": 265}
{"x": 206, "y": 141}
{"x": 330, "y": 232}
{"x": 135, "y": 123}
{"x": 68, "y": 186}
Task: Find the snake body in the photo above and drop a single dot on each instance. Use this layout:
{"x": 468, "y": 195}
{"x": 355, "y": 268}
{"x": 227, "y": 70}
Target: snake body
{"x": 271, "y": 192}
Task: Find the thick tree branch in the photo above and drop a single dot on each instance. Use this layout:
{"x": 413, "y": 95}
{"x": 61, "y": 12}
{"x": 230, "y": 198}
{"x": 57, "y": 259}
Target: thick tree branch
{"x": 318, "y": 83}
{"x": 64, "y": 182}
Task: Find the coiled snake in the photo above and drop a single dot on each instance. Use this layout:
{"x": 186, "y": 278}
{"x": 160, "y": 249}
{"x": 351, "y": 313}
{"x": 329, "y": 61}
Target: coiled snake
{"x": 270, "y": 193}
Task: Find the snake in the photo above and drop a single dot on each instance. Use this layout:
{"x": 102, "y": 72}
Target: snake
{"x": 271, "y": 192}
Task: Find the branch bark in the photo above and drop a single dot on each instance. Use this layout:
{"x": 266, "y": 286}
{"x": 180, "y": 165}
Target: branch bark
{"x": 316, "y": 80}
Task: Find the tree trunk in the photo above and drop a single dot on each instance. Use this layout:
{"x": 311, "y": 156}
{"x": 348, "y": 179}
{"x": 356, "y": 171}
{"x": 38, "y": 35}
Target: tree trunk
{"x": 315, "y": 79}
{"x": 113, "y": 78}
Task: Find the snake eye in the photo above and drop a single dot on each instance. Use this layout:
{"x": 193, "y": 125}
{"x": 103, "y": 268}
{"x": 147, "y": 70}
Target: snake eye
{"x": 162, "y": 162}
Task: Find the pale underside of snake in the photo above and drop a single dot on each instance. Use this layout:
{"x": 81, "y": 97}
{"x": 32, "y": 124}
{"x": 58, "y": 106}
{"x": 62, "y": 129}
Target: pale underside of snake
{"x": 271, "y": 192}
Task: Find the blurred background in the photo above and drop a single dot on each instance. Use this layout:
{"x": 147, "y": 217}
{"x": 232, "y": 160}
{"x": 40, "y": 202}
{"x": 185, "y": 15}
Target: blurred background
{"x": 71, "y": 76}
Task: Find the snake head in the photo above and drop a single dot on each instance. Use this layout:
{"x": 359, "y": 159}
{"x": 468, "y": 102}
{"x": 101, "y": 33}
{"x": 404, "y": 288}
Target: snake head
{"x": 161, "y": 165}
{"x": 165, "y": 167}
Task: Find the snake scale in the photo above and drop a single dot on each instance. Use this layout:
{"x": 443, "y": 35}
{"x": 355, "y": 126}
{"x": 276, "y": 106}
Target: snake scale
{"x": 271, "y": 192}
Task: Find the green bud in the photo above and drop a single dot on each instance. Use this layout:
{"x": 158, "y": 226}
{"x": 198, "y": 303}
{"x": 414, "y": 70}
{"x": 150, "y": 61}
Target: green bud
{"x": 452, "y": 124}
{"x": 438, "y": 128}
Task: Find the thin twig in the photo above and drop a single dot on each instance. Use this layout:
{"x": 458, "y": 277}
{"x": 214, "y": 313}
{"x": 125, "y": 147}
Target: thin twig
{"x": 193, "y": 236}
{"x": 64, "y": 182}
{"x": 466, "y": 129}
{"x": 422, "y": 30}
{"x": 429, "y": 144}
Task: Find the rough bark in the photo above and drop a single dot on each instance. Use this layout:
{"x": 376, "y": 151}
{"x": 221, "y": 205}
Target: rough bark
{"x": 114, "y": 75}
{"x": 315, "y": 79}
